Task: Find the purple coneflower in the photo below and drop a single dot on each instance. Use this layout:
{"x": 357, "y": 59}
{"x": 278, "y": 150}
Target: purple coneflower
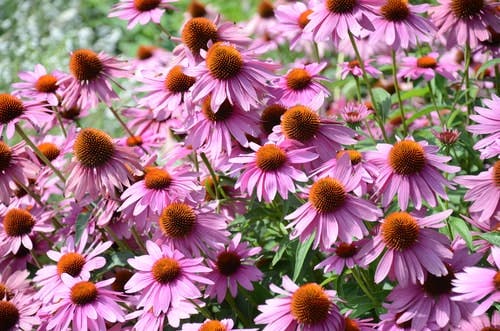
{"x": 154, "y": 321}
{"x": 229, "y": 73}
{"x": 340, "y": 256}
{"x": 301, "y": 84}
{"x": 331, "y": 211}
{"x": 476, "y": 283}
{"x": 140, "y": 11}
{"x": 39, "y": 85}
{"x": 411, "y": 245}
{"x": 292, "y": 19}
{"x": 308, "y": 307}
{"x": 165, "y": 276}
{"x": 488, "y": 119}
{"x": 355, "y": 113}
{"x": 231, "y": 267}
{"x": 99, "y": 166}
{"x": 272, "y": 169}
{"x": 354, "y": 68}
{"x": 216, "y": 325}
{"x": 84, "y": 305}
{"x": 464, "y": 22}
{"x": 90, "y": 78}
{"x": 18, "y": 313}
{"x": 14, "y": 283}
{"x": 74, "y": 260}
{"x": 410, "y": 170}
{"x": 426, "y": 66}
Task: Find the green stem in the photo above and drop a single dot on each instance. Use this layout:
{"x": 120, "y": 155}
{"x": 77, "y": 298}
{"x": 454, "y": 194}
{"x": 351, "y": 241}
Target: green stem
{"x": 316, "y": 52}
{"x": 124, "y": 126}
{"x": 37, "y": 263}
{"x": 218, "y": 189}
{"x": 398, "y": 92}
{"x": 59, "y": 119}
{"x": 137, "y": 238}
{"x": 201, "y": 309}
{"x": 378, "y": 117}
{"x": 361, "y": 284}
{"x": 246, "y": 322}
{"x": 165, "y": 31}
{"x": 358, "y": 88}
{"x": 466, "y": 79}
{"x": 30, "y": 192}
{"x": 433, "y": 98}
{"x": 39, "y": 153}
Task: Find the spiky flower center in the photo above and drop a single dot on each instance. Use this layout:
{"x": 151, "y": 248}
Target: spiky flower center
{"x": 197, "y": 32}
{"x": 70, "y": 113}
{"x": 346, "y": 250}
{"x": 177, "y": 220}
{"x": 270, "y": 157}
{"x": 177, "y": 81}
{"x": 355, "y": 156}
{"x": 310, "y": 304}
{"x": 5, "y": 156}
{"x": 327, "y": 194}
{"x": 166, "y": 270}
{"x": 9, "y": 315}
{"x": 11, "y": 108}
{"x": 223, "y": 113}
{"x": 196, "y": 9}
{"x": 18, "y": 222}
{"x": 340, "y": 6}
{"x": 300, "y": 123}
{"x": 145, "y": 52}
{"x": 298, "y": 79}
{"x": 5, "y": 292}
{"x": 351, "y": 325}
{"x": 466, "y": 8}
{"x": 134, "y": 141}
{"x": 50, "y": 150}
{"x": 496, "y": 173}
{"x": 496, "y": 281}
{"x": 46, "y": 84}
{"x": 395, "y": 10}
{"x": 426, "y": 62}
{"x": 271, "y": 116}
{"x": 71, "y": 263}
{"x": 228, "y": 263}
{"x": 212, "y": 325}
{"x": 407, "y": 157}
{"x": 439, "y": 285}
{"x": 490, "y": 328}
{"x": 353, "y": 64}
{"x": 93, "y": 148}
{"x": 146, "y": 5}
{"x": 85, "y": 65}
{"x": 400, "y": 231}
{"x": 224, "y": 61}
{"x": 157, "y": 179}
{"x": 265, "y": 9}
{"x": 304, "y": 18}
{"x": 83, "y": 293}
{"x": 122, "y": 276}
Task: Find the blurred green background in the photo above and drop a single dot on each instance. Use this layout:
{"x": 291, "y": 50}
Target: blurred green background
{"x": 45, "y": 31}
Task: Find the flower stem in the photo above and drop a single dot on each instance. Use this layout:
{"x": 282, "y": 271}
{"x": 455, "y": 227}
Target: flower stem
{"x": 246, "y": 322}
{"x": 218, "y": 189}
{"x": 433, "y": 98}
{"x": 165, "y": 31}
{"x": 316, "y": 52}
{"x": 201, "y": 309}
{"x": 358, "y": 89}
{"x": 137, "y": 238}
{"x": 398, "y": 92}
{"x": 361, "y": 284}
{"x": 39, "y": 153}
{"x": 378, "y": 117}
{"x": 466, "y": 80}
{"x": 124, "y": 126}
{"x": 59, "y": 119}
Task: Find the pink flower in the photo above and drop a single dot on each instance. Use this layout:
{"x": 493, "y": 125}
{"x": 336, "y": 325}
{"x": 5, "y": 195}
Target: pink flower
{"x": 465, "y": 22}
{"x": 292, "y": 19}
{"x": 99, "y": 166}
{"x": 13, "y": 110}
{"x": 308, "y": 307}
{"x": 165, "y": 276}
{"x": 19, "y": 313}
{"x": 228, "y": 73}
{"x": 13, "y": 283}
{"x": 90, "y": 78}
{"x": 355, "y": 113}
{"x": 154, "y": 321}
{"x": 411, "y": 245}
{"x": 334, "y": 19}
{"x": 410, "y": 169}
{"x": 484, "y": 192}
{"x": 340, "y": 256}
{"x": 75, "y": 260}
{"x": 488, "y": 119}
{"x": 476, "y": 283}
{"x": 38, "y": 85}
{"x": 222, "y": 325}
{"x": 140, "y": 11}
{"x": 231, "y": 267}
{"x": 84, "y": 305}
{"x": 426, "y": 66}
{"x": 272, "y": 169}
{"x": 190, "y": 229}
{"x": 354, "y": 68}
{"x": 400, "y": 26}
{"x": 301, "y": 84}
{"x": 331, "y": 211}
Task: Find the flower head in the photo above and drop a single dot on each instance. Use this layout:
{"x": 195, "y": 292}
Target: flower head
{"x": 140, "y": 11}
{"x": 39, "y": 85}
{"x": 13, "y": 110}
{"x": 426, "y": 66}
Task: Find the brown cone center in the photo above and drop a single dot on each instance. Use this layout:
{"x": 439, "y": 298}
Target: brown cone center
{"x": 46, "y": 84}
{"x": 177, "y": 81}
{"x": 304, "y": 18}
{"x": 83, "y": 293}
{"x": 355, "y": 156}
{"x": 223, "y": 61}
{"x": 340, "y": 6}
{"x": 228, "y": 263}
{"x": 300, "y": 123}
{"x": 146, "y": 5}
{"x": 5, "y": 292}
{"x": 327, "y": 194}
{"x": 71, "y": 263}
{"x": 145, "y": 52}
{"x": 157, "y": 179}
{"x": 426, "y": 62}
{"x": 212, "y": 325}
{"x": 50, "y": 150}
{"x": 310, "y": 304}
{"x": 466, "y": 8}
{"x": 11, "y": 108}
{"x": 270, "y": 157}
{"x": 9, "y": 315}
{"x": 407, "y": 157}
{"x": 166, "y": 270}
{"x": 265, "y": 9}
{"x": 85, "y": 65}
{"x": 122, "y": 276}
{"x": 196, "y": 9}
{"x": 18, "y": 222}
{"x": 436, "y": 286}
{"x": 93, "y": 148}
{"x": 177, "y": 220}
{"x": 345, "y": 250}
{"x": 351, "y": 325}
{"x": 496, "y": 173}
{"x": 134, "y": 141}
{"x": 496, "y": 281}
{"x": 400, "y": 231}
{"x": 271, "y": 116}
{"x": 223, "y": 113}
{"x": 298, "y": 79}
{"x": 5, "y": 156}
{"x": 395, "y": 10}
{"x": 197, "y": 32}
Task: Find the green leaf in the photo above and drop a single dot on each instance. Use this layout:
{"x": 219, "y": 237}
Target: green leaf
{"x": 303, "y": 248}
{"x": 492, "y": 237}
{"x": 486, "y": 65}
{"x": 382, "y": 100}
{"x": 424, "y": 111}
{"x": 283, "y": 246}
{"x": 81, "y": 224}
{"x": 415, "y": 92}
{"x": 459, "y": 225}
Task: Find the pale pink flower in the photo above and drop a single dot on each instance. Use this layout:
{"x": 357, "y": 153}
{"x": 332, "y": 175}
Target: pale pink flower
{"x": 141, "y": 11}
{"x": 39, "y": 85}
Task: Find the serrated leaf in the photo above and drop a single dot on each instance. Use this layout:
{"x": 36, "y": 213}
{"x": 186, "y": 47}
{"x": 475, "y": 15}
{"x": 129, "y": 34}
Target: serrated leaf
{"x": 459, "y": 225}
{"x": 492, "y": 237}
{"x": 303, "y": 248}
